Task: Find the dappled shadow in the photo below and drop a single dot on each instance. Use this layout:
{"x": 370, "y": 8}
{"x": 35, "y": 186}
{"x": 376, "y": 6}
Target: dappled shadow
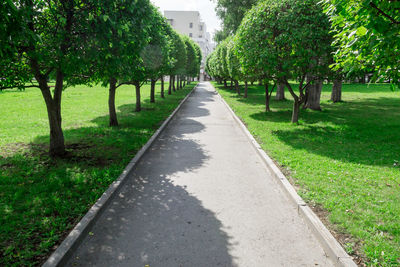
{"x": 153, "y": 220}
{"x": 342, "y": 132}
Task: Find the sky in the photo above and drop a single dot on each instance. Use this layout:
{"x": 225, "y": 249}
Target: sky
{"x": 205, "y": 7}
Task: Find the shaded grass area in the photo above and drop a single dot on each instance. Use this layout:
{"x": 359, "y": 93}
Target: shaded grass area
{"x": 343, "y": 160}
{"x": 42, "y": 199}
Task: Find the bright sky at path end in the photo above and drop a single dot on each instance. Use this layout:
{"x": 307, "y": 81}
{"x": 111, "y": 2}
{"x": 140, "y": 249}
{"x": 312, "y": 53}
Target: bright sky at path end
{"x": 205, "y": 7}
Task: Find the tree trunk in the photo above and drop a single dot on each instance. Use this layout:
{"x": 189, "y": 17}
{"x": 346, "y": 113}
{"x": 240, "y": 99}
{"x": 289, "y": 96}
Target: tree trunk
{"x": 153, "y": 91}
{"x": 162, "y": 87}
{"x": 225, "y": 84}
{"x": 53, "y": 105}
{"x": 231, "y": 84}
{"x": 296, "y": 111}
{"x": 260, "y": 82}
{"x": 336, "y": 95}
{"x": 280, "y": 92}
{"x": 173, "y": 83}
{"x": 267, "y": 109}
{"x": 138, "y": 104}
{"x": 313, "y": 98}
{"x": 237, "y": 87}
{"x": 252, "y": 83}
{"x": 246, "y": 88}
{"x": 111, "y": 102}
{"x": 296, "y": 102}
{"x": 170, "y": 85}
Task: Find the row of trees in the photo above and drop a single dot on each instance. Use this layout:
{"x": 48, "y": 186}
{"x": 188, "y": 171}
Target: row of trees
{"x": 278, "y": 41}
{"x": 68, "y": 42}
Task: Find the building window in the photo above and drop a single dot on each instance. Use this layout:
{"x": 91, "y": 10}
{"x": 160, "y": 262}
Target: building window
{"x": 201, "y": 27}
{"x": 191, "y": 25}
{"x": 200, "y": 36}
{"x": 190, "y": 35}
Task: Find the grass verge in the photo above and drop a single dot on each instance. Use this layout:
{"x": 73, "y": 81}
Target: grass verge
{"x": 344, "y": 161}
{"x": 41, "y": 199}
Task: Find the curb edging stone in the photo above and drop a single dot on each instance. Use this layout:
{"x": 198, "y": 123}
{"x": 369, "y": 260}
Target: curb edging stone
{"x": 64, "y": 251}
{"x": 331, "y": 246}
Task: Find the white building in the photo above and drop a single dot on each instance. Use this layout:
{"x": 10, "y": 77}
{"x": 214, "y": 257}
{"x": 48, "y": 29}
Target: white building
{"x": 189, "y": 23}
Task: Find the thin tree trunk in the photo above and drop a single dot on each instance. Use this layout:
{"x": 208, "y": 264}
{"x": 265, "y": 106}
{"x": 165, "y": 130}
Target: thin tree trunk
{"x": 252, "y": 83}
{"x": 153, "y": 91}
{"x": 162, "y": 87}
{"x": 280, "y": 92}
{"x": 231, "y": 84}
{"x": 53, "y": 105}
{"x": 111, "y": 102}
{"x": 336, "y": 95}
{"x": 260, "y": 82}
{"x": 225, "y": 84}
{"x": 246, "y": 88}
{"x": 296, "y": 103}
{"x": 237, "y": 87}
{"x": 138, "y": 104}
{"x": 296, "y": 111}
{"x": 170, "y": 85}
{"x": 267, "y": 109}
{"x": 313, "y": 98}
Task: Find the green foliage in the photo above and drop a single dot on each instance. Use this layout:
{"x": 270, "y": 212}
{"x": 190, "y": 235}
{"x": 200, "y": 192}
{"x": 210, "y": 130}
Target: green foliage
{"x": 199, "y": 57}
{"x": 343, "y": 160}
{"x": 119, "y": 38}
{"x": 192, "y": 63}
{"x": 232, "y": 60}
{"x": 155, "y": 55}
{"x": 284, "y": 39}
{"x": 367, "y": 35}
{"x": 216, "y": 63}
{"x": 84, "y": 42}
{"x": 231, "y": 13}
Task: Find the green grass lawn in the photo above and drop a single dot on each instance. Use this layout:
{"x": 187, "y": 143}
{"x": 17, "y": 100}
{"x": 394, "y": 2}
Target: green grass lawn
{"x": 42, "y": 199}
{"x": 343, "y": 160}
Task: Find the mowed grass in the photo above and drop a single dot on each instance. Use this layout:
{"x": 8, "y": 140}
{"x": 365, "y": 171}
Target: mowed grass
{"x": 344, "y": 160}
{"x": 41, "y": 199}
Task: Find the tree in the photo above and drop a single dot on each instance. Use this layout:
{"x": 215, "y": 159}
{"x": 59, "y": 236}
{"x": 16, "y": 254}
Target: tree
{"x": 120, "y": 38}
{"x": 156, "y": 54}
{"x": 178, "y": 53}
{"x": 47, "y": 40}
{"x": 199, "y": 56}
{"x": 231, "y": 12}
{"x": 285, "y": 40}
{"x": 222, "y": 63}
{"x": 367, "y": 34}
{"x": 182, "y": 61}
{"x": 233, "y": 64}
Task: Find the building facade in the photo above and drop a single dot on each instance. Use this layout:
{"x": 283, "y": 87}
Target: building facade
{"x": 190, "y": 24}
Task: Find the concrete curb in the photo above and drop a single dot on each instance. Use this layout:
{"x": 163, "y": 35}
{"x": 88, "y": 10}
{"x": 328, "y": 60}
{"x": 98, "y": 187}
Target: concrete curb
{"x": 76, "y": 236}
{"x": 328, "y": 242}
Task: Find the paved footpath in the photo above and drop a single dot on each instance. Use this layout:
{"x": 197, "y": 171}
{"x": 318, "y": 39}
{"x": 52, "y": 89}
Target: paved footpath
{"x": 201, "y": 197}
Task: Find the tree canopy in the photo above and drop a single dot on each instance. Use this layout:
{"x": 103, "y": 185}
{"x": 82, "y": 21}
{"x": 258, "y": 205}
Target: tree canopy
{"x": 231, "y": 12}
{"x": 85, "y": 42}
{"x": 367, "y": 34}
